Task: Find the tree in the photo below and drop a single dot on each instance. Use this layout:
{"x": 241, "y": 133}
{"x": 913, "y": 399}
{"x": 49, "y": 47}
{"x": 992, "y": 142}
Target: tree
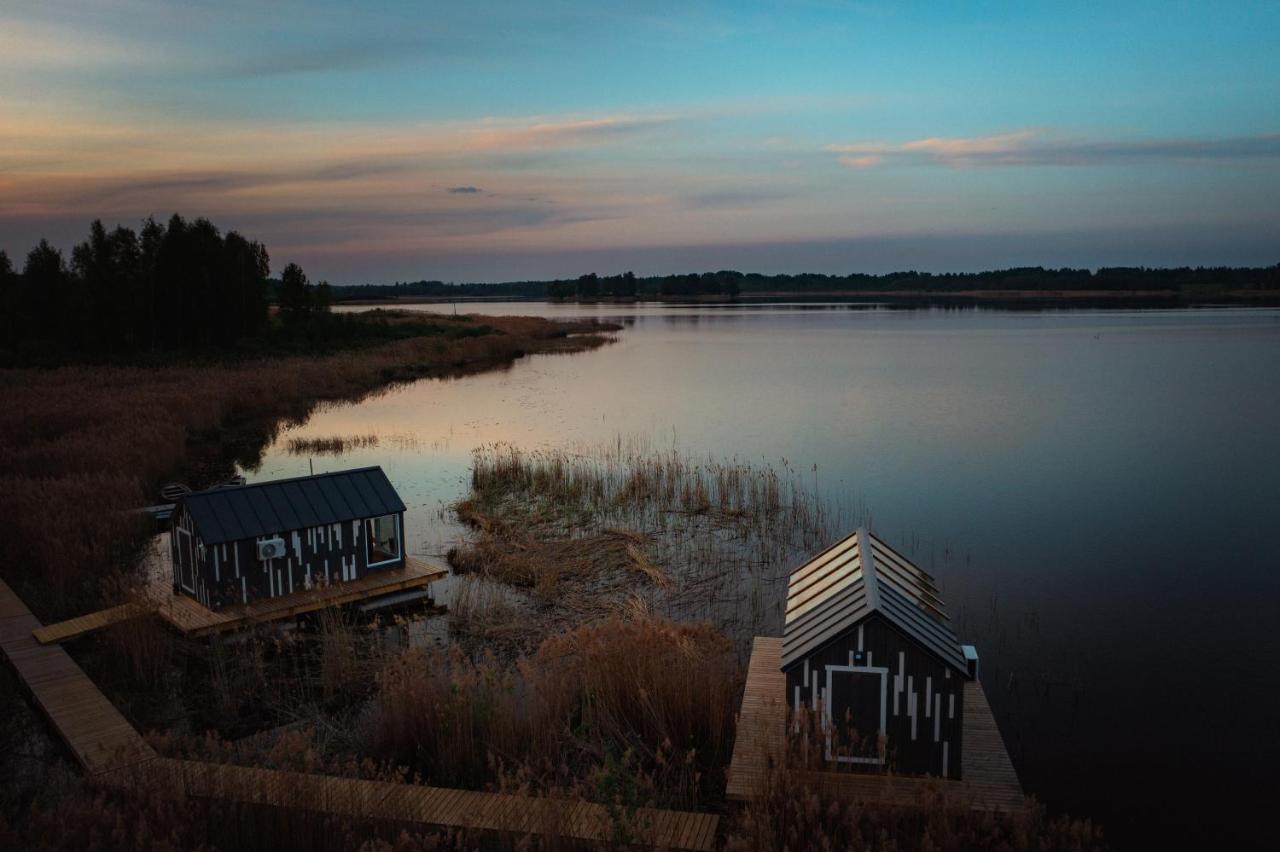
{"x": 588, "y": 286}
{"x": 627, "y": 287}
{"x": 295, "y": 296}
{"x": 323, "y": 297}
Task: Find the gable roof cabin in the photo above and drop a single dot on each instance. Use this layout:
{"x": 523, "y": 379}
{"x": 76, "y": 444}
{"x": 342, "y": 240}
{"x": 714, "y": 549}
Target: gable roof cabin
{"x": 265, "y": 539}
{"x": 867, "y": 644}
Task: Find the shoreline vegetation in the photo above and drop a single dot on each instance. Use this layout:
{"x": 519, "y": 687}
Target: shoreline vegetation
{"x": 1029, "y": 285}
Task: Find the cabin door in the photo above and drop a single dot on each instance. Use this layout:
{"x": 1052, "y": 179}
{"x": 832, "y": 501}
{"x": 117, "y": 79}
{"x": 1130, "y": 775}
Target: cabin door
{"x": 856, "y": 701}
{"x": 186, "y": 560}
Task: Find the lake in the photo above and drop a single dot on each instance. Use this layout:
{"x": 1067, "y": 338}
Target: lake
{"x": 1097, "y": 491}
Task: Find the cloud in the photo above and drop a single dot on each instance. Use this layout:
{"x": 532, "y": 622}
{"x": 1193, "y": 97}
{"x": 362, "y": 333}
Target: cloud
{"x": 464, "y": 190}
{"x": 546, "y": 134}
{"x": 1037, "y": 148}
{"x": 733, "y": 198}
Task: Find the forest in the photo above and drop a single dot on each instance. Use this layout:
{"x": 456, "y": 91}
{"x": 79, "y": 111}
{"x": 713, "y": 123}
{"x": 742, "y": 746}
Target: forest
{"x": 176, "y": 287}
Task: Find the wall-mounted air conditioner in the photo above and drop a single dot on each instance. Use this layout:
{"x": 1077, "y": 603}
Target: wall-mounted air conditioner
{"x": 271, "y": 548}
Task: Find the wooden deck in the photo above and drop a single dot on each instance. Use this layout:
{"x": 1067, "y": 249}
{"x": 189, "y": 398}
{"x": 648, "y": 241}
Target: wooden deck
{"x": 989, "y": 781}
{"x": 64, "y": 631}
{"x": 99, "y": 737}
{"x": 107, "y": 746}
{"x": 189, "y": 616}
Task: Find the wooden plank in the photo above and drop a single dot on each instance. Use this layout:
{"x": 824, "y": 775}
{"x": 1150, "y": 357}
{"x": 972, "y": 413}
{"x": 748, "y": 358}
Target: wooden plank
{"x": 73, "y": 628}
{"x": 190, "y": 617}
{"x": 95, "y": 732}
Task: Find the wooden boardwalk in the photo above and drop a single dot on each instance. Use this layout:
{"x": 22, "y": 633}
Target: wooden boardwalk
{"x": 64, "y": 631}
{"x": 107, "y": 746}
{"x": 761, "y": 742}
{"x": 189, "y": 616}
{"x": 99, "y": 737}
{"x": 988, "y": 780}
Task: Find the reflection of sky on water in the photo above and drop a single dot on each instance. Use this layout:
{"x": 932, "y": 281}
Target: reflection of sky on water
{"x": 1105, "y": 482}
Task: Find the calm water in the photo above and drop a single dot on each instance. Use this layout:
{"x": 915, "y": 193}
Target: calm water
{"x": 1098, "y": 493}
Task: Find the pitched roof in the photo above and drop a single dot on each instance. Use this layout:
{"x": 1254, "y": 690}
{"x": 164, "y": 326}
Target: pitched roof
{"x": 853, "y": 578}
{"x": 282, "y": 505}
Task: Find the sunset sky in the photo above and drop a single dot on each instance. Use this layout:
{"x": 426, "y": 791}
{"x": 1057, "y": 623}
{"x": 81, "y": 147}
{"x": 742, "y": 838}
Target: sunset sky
{"x": 497, "y": 141}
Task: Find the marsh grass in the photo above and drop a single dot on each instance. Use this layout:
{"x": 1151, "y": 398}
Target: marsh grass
{"x": 332, "y": 445}
{"x": 796, "y": 811}
{"x": 635, "y": 707}
{"x": 697, "y": 538}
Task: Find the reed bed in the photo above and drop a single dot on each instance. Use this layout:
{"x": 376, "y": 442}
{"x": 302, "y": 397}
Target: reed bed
{"x": 795, "y": 811}
{"x": 332, "y": 445}
{"x": 696, "y": 538}
{"x": 633, "y": 709}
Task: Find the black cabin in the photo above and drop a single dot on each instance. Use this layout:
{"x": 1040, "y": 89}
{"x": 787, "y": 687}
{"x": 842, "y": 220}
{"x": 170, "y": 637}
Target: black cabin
{"x": 869, "y": 653}
{"x": 235, "y": 545}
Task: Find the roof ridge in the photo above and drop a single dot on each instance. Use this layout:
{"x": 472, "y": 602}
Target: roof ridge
{"x": 223, "y": 489}
{"x": 868, "y": 562}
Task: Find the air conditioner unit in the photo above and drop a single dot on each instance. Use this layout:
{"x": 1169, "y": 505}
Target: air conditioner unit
{"x": 271, "y": 548}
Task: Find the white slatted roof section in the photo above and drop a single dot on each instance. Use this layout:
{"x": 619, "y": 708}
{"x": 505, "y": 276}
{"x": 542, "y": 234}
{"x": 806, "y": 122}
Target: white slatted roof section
{"x": 853, "y": 578}
{"x": 822, "y": 576}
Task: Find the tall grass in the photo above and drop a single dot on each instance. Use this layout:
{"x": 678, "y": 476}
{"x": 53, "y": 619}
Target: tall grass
{"x": 698, "y": 538}
{"x": 633, "y": 707}
{"x": 793, "y": 811}
{"x": 332, "y": 445}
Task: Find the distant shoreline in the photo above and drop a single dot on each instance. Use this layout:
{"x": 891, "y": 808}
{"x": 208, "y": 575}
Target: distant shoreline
{"x": 976, "y": 297}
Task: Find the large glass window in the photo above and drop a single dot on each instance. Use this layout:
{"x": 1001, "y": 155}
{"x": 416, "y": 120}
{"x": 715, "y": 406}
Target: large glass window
{"x": 382, "y": 540}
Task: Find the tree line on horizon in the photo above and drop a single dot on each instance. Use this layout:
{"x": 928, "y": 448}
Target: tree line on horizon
{"x": 179, "y": 286}
{"x": 731, "y": 284}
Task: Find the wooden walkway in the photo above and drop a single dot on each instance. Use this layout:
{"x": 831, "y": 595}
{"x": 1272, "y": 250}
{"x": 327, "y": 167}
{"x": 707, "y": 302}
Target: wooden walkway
{"x": 189, "y": 616}
{"x": 988, "y": 780}
{"x": 99, "y": 737}
{"x": 107, "y": 746}
{"x": 73, "y": 627}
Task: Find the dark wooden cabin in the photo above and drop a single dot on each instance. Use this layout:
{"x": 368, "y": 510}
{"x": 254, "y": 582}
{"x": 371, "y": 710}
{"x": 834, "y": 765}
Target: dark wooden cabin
{"x": 235, "y": 545}
{"x": 869, "y": 655}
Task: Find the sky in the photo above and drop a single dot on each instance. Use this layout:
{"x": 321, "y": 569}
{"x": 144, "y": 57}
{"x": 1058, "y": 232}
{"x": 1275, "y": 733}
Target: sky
{"x": 479, "y": 141}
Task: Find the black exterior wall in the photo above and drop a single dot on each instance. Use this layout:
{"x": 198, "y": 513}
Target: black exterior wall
{"x": 230, "y": 573}
{"x": 923, "y": 697}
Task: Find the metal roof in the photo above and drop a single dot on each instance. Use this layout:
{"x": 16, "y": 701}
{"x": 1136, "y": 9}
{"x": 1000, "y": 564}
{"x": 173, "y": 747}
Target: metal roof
{"x": 282, "y": 505}
{"x": 855, "y": 577}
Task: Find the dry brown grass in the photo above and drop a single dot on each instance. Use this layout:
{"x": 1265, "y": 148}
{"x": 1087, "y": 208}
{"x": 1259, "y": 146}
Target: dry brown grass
{"x": 544, "y": 565}
{"x": 637, "y": 707}
{"x": 80, "y": 447}
{"x": 699, "y": 539}
{"x": 792, "y": 812}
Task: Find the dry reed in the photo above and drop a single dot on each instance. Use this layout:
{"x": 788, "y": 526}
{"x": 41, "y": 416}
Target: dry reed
{"x": 636, "y": 698}
{"x": 700, "y": 539}
{"x": 332, "y": 445}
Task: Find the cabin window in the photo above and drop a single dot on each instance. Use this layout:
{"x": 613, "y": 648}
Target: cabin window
{"x": 382, "y": 540}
